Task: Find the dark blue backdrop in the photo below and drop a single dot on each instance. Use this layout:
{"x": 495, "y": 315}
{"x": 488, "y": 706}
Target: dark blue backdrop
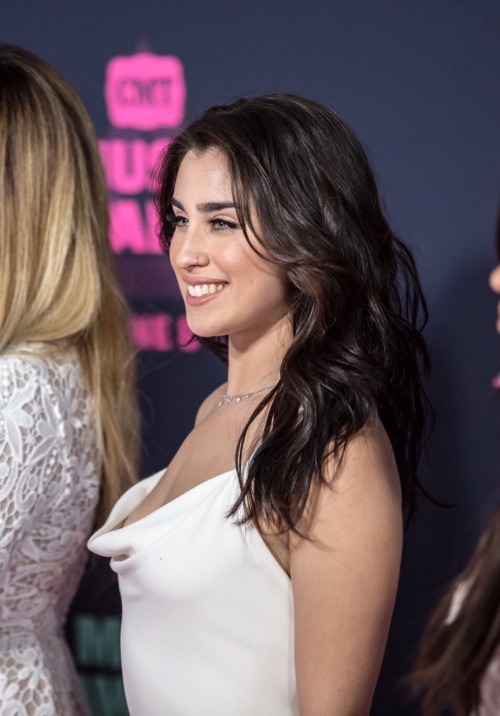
{"x": 418, "y": 82}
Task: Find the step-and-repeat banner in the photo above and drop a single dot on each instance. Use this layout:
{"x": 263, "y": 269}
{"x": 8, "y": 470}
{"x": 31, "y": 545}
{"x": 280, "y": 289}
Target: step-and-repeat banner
{"x": 418, "y": 82}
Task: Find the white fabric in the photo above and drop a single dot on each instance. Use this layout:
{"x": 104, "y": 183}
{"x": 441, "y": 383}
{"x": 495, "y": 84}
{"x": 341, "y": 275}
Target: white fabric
{"x": 490, "y": 688}
{"x": 49, "y": 482}
{"x": 207, "y": 611}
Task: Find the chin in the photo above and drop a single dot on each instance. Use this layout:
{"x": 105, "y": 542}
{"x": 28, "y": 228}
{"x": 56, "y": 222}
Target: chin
{"x": 203, "y": 331}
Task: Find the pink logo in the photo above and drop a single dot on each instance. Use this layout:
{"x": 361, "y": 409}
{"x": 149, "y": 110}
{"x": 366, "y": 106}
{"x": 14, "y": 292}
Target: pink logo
{"x": 145, "y": 91}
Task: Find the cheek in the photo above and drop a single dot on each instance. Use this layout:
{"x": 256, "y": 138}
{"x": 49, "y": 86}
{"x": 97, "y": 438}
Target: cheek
{"x": 272, "y": 291}
{"x": 495, "y": 280}
{"x": 233, "y": 258}
{"x": 173, "y": 253}
{"x": 172, "y": 257}
{"x": 172, "y": 250}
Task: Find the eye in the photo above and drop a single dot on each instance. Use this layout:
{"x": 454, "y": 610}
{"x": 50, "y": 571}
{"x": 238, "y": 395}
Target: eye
{"x": 172, "y": 221}
{"x": 178, "y": 221}
{"x": 223, "y": 224}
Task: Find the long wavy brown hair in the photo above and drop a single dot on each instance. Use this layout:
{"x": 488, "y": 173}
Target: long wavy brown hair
{"x": 58, "y": 285}
{"x": 456, "y": 649}
{"x": 353, "y": 293}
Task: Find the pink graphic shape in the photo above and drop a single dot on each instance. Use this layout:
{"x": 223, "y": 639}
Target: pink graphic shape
{"x": 185, "y": 341}
{"x": 130, "y": 165}
{"x": 153, "y": 333}
{"x": 134, "y": 227}
{"x": 145, "y": 91}
{"x": 159, "y": 332}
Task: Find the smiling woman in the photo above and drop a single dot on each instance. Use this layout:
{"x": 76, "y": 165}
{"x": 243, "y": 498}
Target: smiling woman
{"x": 258, "y": 573}
{"x": 209, "y": 249}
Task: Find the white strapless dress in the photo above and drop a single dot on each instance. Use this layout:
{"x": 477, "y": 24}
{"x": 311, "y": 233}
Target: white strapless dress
{"x": 207, "y": 624}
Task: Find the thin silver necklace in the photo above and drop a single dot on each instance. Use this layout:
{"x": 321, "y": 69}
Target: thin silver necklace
{"x": 242, "y": 396}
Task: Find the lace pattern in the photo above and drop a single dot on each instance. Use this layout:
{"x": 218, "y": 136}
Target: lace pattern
{"x": 49, "y": 485}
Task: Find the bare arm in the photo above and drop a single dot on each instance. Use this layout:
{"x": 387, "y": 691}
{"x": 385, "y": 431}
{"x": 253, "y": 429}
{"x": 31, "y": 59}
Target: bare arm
{"x": 344, "y": 580}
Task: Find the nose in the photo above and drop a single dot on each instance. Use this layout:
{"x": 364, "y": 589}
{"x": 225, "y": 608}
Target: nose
{"x": 188, "y": 248}
{"x": 495, "y": 279}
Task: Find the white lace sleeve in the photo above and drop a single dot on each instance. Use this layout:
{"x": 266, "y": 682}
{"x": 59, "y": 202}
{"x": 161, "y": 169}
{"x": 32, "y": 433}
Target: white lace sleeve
{"x": 49, "y": 484}
{"x": 28, "y": 452}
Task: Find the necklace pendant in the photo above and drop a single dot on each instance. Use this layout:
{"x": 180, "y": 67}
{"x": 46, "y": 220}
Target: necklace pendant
{"x": 243, "y": 396}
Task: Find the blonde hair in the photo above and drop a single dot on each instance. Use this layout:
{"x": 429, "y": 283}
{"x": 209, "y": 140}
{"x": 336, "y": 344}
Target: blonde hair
{"x": 57, "y": 279}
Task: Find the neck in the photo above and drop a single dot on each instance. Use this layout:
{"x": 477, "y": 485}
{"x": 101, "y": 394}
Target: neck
{"x": 256, "y": 362}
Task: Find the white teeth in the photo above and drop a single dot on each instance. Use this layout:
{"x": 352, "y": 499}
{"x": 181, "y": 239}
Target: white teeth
{"x": 204, "y": 289}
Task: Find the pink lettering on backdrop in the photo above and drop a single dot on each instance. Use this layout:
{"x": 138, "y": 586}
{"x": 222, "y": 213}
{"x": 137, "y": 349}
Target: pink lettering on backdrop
{"x": 131, "y": 229}
{"x": 185, "y": 341}
{"x": 153, "y": 332}
{"x": 145, "y": 91}
{"x": 129, "y": 165}
{"x": 160, "y": 332}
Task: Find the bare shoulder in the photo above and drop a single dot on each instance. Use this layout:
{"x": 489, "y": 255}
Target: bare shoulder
{"x": 210, "y": 402}
{"x": 363, "y": 484}
{"x": 368, "y": 458}
{"x": 345, "y": 574}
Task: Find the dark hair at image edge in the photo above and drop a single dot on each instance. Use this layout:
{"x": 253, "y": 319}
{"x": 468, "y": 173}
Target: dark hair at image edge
{"x": 465, "y": 645}
{"x": 353, "y": 291}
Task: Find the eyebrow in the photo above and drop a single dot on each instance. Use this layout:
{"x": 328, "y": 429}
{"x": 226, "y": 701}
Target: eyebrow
{"x": 208, "y": 206}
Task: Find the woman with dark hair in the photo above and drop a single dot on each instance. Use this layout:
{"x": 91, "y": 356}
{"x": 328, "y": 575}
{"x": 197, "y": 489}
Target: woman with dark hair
{"x": 258, "y": 573}
{"x": 463, "y": 634}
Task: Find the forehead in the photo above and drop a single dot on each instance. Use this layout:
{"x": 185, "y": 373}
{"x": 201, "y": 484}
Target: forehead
{"x": 204, "y": 174}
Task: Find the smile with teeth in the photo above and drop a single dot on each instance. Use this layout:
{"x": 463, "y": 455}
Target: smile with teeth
{"x": 204, "y": 289}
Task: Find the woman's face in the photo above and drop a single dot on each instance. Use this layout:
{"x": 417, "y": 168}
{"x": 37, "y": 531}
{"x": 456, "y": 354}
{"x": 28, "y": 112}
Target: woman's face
{"x": 495, "y": 285}
{"x": 227, "y": 288}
